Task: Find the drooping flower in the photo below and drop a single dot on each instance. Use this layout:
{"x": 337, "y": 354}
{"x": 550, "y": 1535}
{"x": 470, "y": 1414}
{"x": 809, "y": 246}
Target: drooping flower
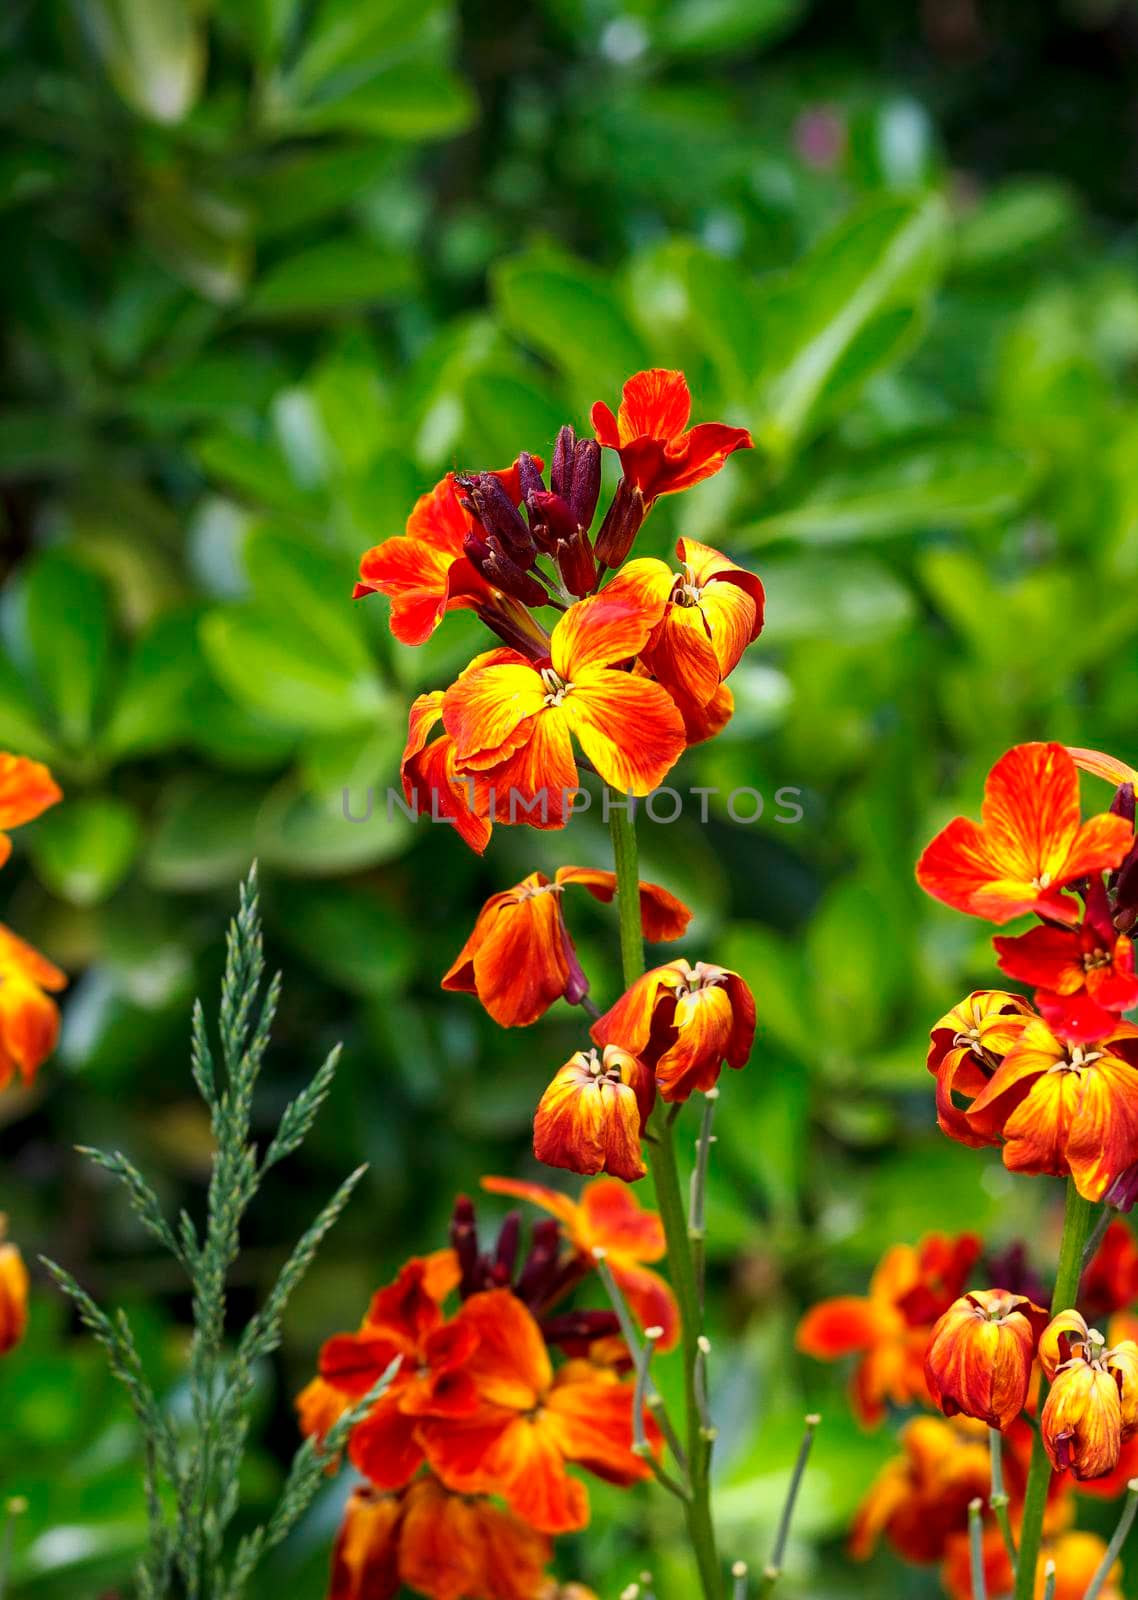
{"x": 1084, "y": 976}
{"x": 431, "y": 783}
{"x": 27, "y": 788}
{"x": 29, "y": 1021}
{"x": 889, "y": 1329}
{"x": 520, "y": 958}
{"x": 512, "y": 719}
{"x": 14, "y": 1287}
{"x": 444, "y": 1546}
{"x": 591, "y": 1116}
{"x": 658, "y": 452}
{"x": 684, "y": 1022}
{"x": 966, "y": 1047}
{"x": 1065, "y": 1108}
{"x": 981, "y": 1353}
{"x": 1110, "y": 1281}
{"x": 1029, "y": 846}
{"x": 533, "y": 1423}
{"x": 1092, "y": 1405}
{"x": 609, "y": 1217}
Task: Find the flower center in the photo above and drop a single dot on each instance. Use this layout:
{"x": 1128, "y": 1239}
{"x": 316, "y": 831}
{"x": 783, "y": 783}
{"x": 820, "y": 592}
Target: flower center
{"x": 1094, "y": 960}
{"x": 1077, "y": 1059}
{"x": 598, "y": 1069}
{"x": 1042, "y": 882}
{"x": 686, "y": 591}
{"x": 555, "y": 686}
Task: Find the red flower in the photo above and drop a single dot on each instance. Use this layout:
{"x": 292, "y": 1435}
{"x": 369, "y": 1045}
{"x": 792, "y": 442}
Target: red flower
{"x": 520, "y": 959}
{"x": 981, "y": 1354}
{"x": 1084, "y": 975}
{"x": 27, "y": 788}
{"x": 431, "y": 782}
{"x": 658, "y": 453}
{"x": 1030, "y": 844}
{"x": 1110, "y": 1281}
{"x": 591, "y": 1117}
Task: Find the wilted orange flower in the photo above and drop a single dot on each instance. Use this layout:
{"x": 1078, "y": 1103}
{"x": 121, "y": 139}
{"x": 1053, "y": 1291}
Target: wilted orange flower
{"x": 981, "y": 1354}
{"x": 445, "y": 1546}
{"x": 512, "y": 719}
{"x": 1092, "y": 1406}
{"x": 431, "y": 782}
{"x": 1083, "y": 976}
{"x": 532, "y": 1422}
{"x": 520, "y": 959}
{"x": 609, "y": 1217}
{"x": 13, "y": 1293}
{"x": 966, "y": 1046}
{"x": 1110, "y": 1282}
{"x": 890, "y": 1328}
{"x": 1030, "y": 844}
{"x": 591, "y": 1116}
{"x": 920, "y": 1499}
{"x": 1065, "y": 1108}
{"x": 1077, "y": 1556}
{"x": 29, "y": 1021}
{"x": 684, "y": 1022}
{"x": 658, "y": 453}
{"x": 27, "y": 788}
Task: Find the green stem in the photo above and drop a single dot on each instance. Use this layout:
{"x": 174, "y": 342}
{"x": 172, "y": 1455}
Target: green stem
{"x": 1076, "y": 1227}
{"x": 662, "y": 1158}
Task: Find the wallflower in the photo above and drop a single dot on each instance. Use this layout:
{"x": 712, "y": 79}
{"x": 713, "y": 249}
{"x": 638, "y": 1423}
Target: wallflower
{"x": 591, "y": 1116}
{"x": 1029, "y": 846}
{"x": 1077, "y": 1556}
{"x": 658, "y": 453}
{"x": 442, "y": 1545}
{"x": 431, "y": 781}
{"x": 890, "y": 1328}
{"x": 27, "y": 788}
{"x": 1092, "y": 1405}
{"x": 29, "y": 1021}
{"x": 1065, "y": 1108}
{"x": 966, "y": 1046}
{"x": 13, "y": 1293}
{"x": 512, "y": 720}
{"x": 533, "y": 1422}
{"x": 1110, "y": 1281}
{"x": 520, "y": 959}
{"x": 609, "y": 1217}
{"x": 981, "y": 1353}
{"x": 684, "y": 1022}
{"x": 920, "y": 1499}
{"x": 1084, "y": 976}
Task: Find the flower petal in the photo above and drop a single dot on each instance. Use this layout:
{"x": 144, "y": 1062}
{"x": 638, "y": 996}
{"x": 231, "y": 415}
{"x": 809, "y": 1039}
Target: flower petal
{"x": 628, "y": 727}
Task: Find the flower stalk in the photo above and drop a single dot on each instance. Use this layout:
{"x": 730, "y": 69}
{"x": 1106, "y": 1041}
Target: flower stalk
{"x": 1114, "y": 1549}
{"x": 772, "y": 1572}
{"x": 998, "y": 1499}
{"x": 976, "y": 1549}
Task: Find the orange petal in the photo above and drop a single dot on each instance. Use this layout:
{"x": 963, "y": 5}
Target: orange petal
{"x": 650, "y": 1299}
{"x": 29, "y": 1027}
{"x": 704, "y": 1023}
{"x": 590, "y": 1117}
{"x": 14, "y": 1287}
{"x": 511, "y": 1364}
{"x": 486, "y": 705}
{"x": 27, "y": 788}
{"x": 683, "y": 655}
{"x": 843, "y": 1326}
{"x": 552, "y": 1200}
{"x": 708, "y": 567}
{"x": 654, "y": 404}
{"x": 515, "y": 960}
{"x": 1102, "y": 766}
{"x": 662, "y": 916}
{"x": 612, "y": 1217}
{"x": 535, "y": 783}
{"x": 608, "y": 628}
{"x": 628, "y": 727}
{"x": 365, "y": 1560}
{"x": 385, "y": 1445}
{"x": 589, "y": 1415}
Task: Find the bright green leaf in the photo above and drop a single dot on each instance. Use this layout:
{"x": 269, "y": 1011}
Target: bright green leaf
{"x": 84, "y": 849}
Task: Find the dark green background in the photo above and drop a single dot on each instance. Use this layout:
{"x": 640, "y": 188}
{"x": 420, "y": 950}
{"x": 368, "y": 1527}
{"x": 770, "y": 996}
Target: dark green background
{"x": 269, "y": 269}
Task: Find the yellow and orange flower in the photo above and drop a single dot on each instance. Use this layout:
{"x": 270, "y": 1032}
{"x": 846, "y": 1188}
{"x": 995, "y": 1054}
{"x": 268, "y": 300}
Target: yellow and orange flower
{"x": 520, "y": 958}
{"x": 659, "y": 454}
{"x": 966, "y": 1047}
{"x": 1092, "y": 1406}
{"x": 890, "y": 1328}
{"x": 431, "y": 781}
{"x": 444, "y": 1546}
{"x": 13, "y": 1293}
{"x": 591, "y": 1116}
{"x": 27, "y": 788}
{"x": 919, "y": 1501}
{"x": 513, "y": 719}
{"x": 684, "y": 1022}
{"x": 1064, "y": 1108}
{"x": 981, "y": 1353}
{"x": 532, "y": 1422}
{"x": 1029, "y": 846}
{"x": 609, "y": 1217}
{"x": 1077, "y": 1556}
{"x": 1084, "y": 976}
{"x": 29, "y": 1021}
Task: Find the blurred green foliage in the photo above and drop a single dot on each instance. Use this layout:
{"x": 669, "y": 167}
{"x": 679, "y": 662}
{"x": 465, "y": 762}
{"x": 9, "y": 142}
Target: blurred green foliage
{"x": 272, "y": 266}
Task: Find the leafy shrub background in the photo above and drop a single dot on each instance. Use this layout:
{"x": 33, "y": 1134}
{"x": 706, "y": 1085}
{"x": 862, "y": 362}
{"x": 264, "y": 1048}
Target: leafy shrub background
{"x": 270, "y": 268}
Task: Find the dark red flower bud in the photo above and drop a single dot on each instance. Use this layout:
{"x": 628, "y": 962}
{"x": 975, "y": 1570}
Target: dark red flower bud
{"x": 574, "y": 1331}
{"x": 575, "y": 563}
{"x": 1125, "y": 881}
{"x": 622, "y": 523}
{"x": 507, "y": 1252}
{"x": 1123, "y": 803}
{"x": 487, "y": 499}
{"x": 500, "y": 569}
{"x": 530, "y": 480}
{"x": 551, "y": 518}
{"x": 464, "y": 1242}
{"x": 586, "y": 485}
{"x": 561, "y": 467}
{"x": 541, "y": 1265}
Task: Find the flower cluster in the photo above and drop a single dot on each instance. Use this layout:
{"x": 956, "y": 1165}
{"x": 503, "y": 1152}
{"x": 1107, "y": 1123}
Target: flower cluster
{"x": 465, "y": 1455}
{"x": 633, "y": 669}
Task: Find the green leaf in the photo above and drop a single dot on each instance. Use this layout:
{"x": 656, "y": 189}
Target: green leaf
{"x": 154, "y": 707}
{"x": 349, "y": 934}
{"x": 303, "y": 833}
{"x": 20, "y": 727}
{"x": 154, "y": 53}
{"x": 334, "y": 275}
{"x": 69, "y": 633}
{"x": 302, "y": 586}
{"x": 836, "y": 317}
{"x": 843, "y": 597}
{"x": 936, "y": 483}
{"x": 35, "y": 442}
{"x": 705, "y": 27}
{"x": 412, "y": 101}
{"x": 83, "y": 850}
{"x": 205, "y": 833}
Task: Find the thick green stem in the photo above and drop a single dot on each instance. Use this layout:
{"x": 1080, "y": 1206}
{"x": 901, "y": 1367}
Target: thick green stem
{"x": 681, "y": 1268}
{"x": 1076, "y": 1227}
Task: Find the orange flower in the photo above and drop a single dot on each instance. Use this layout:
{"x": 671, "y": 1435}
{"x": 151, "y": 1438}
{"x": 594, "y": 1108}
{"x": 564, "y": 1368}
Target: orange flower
{"x": 1084, "y": 976}
{"x": 966, "y": 1046}
{"x": 609, "y": 1217}
{"x": 26, "y": 789}
{"x": 442, "y": 1545}
{"x": 1092, "y": 1406}
{"x": 13, "y": 1293}
{"x": 890, "y": 1329}
{"x": 431, "y": 782}
{"x": 533, "y": 1422}
{"x": 520, "y": 958}
{"x": 591, "y": 1116}
{"x": 29, "y": 1021}
{"x": 1065, "y": 1108}
{"x": 981, "y": 1354}
{"x": 512, "y": 719}
{"x": 683, "y": 1022}
{"x": 920, "y": 1499}
{"x": 1077, "y": 1556}
{"x": 1110, "y": 1282}
{"x": 1030, "y": 844}
{"x": 658, "y": 453}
